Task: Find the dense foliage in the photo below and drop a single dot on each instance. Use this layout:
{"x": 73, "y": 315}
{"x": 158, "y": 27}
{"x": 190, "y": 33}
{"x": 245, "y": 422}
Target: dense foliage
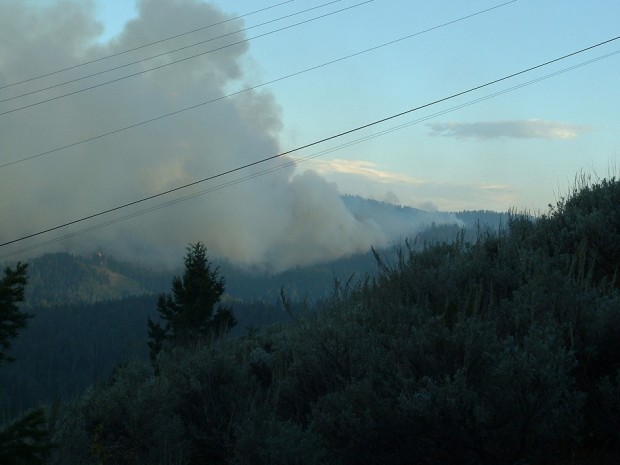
{"x": 501, "y": 351}
{"x": 65, "y": 349}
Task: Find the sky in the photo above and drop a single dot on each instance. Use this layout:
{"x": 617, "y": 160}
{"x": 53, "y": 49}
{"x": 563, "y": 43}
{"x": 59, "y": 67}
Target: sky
{"x": 515, "y": 144}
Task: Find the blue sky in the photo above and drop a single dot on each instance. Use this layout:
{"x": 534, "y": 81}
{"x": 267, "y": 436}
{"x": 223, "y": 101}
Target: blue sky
{"x": 521, "y": 149}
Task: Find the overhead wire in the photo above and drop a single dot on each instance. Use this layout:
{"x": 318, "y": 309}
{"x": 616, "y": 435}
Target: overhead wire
{"x": 159, "y": 55}
{"x": 257, "y": 86}
{"x": 69, "y": 68}
{"x": 297, "y": 161}
{"x": 332, "y": 137}
{"x": 180, "y": 60}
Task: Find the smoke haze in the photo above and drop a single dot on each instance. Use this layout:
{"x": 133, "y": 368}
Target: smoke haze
{"x": 281, "y": 219}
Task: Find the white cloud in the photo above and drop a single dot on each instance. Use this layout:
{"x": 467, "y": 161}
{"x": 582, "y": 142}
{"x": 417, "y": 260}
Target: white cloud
{"x": 367, "y": 179}
{"x": 517, "y": 129}
{"x": 364, "y": 168}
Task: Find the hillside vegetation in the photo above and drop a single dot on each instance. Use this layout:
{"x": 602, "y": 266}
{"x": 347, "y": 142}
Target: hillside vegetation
{"x": 505, "y": 350}
{"x": 61, "y": 279}
{"x": 90, "y": 311}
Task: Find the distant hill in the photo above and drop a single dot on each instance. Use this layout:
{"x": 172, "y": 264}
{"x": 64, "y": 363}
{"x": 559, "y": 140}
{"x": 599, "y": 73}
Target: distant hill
{"x": 473, "y": 218}
{"x": 91, "y": 311}
{"x": 388, "y": 212}
{"x": 64, "y": 279}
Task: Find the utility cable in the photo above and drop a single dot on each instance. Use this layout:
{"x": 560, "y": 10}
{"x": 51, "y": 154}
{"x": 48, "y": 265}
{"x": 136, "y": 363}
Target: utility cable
{"x": 311, "y": 144}
{"x": 298, "y": 161}
{"x": 192, "y": 107}
{"x": 174, "y": 62}
{"x": 115, "y": 68}
{"x": 142, "y": 46}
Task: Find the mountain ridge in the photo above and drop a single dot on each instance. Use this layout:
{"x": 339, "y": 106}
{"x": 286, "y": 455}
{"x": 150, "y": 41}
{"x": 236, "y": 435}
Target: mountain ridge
{"x": 62, "y": 278}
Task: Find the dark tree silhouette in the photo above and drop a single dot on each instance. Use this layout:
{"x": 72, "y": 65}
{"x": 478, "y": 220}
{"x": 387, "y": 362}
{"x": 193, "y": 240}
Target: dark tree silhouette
{"x": 12, "y": 320}
{"x": 191, "y": 312}
{"x": 24, "y": 440}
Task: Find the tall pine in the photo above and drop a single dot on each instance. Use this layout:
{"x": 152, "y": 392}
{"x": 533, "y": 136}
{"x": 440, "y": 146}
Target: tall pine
{"x": 191, "y": 312}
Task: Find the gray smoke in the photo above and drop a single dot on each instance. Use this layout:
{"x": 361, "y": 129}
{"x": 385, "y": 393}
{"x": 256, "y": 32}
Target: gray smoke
{"x": 280, "y": 219}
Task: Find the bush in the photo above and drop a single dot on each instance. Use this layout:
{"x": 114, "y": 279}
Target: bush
{"x": 131, "y": 419}
{"x": 501, "y": 351}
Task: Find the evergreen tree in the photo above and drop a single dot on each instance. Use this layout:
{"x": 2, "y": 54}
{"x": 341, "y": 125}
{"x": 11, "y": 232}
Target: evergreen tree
{"x": 12, "y": 320}
{"x": 24, "y": 440}
{"x": 190, "y": 313}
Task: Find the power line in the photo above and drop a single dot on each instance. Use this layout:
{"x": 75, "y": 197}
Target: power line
{"x": 313, "y": 68}
{"x": 184, "y": 59}
{"x": 164, "y": 54}
{"x": 298, "y": 161}
{"x": 311, "y": 144}
{"x": 142, "y": 46}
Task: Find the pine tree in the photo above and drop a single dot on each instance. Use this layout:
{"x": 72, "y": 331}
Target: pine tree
{"x": 12, "y": 320}
{"x": 24, "y": 440}
{"x": 190, "y": 312}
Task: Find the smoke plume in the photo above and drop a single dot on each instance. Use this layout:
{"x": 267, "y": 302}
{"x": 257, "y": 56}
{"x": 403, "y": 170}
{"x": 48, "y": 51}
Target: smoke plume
{"x": 281, "y": 219}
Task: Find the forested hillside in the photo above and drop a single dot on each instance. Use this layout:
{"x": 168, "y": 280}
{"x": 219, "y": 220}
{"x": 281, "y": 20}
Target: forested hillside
{"x": 67, "y": 279}
{"x": 63, "y": 350}
{"x": 90, "y": 311}
{"x": 61, "y": 279}
{"x": 502, "y": 351}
